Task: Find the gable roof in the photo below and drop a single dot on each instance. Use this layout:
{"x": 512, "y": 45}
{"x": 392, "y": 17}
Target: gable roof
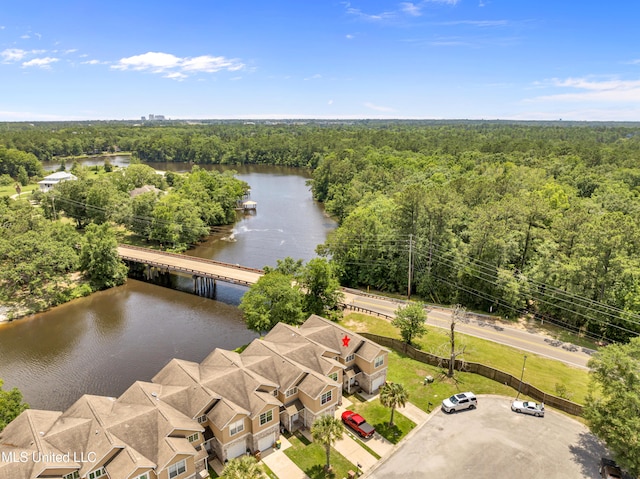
{"x": 331, "y": 335}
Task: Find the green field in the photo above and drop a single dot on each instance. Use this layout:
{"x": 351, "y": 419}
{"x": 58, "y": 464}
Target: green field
{"x": 541, "y": 372}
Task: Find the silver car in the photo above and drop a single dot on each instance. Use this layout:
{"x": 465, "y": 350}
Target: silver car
{"x": 460, "y": 401}
{"x": 528, "y": 407}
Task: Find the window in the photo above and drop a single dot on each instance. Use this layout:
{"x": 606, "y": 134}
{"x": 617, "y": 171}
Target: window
{"x": 202, "y": 419}
{"x": 334, "y": 376}
{"x": 275, "y": 392}
{"x": 266, "y": 417}
{"x": 178, "y": 468}
{"x": 193, "y": 437}
{"x": 142, "y": 476}
{"x": 379, "y": 361}
{"x": 349, "y": 358}
{"x": 73, "y": 475}
{"x": 291, "y": 392}
{"x": 326, "y": 397}
{"x": 97, "y": 473}
{"x": 236, "y": 427}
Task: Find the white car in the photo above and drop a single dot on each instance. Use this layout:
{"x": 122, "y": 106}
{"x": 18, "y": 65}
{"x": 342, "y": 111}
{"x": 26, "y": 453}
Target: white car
{"x": 528, "y": 407}
{"x": 460, "y": 401}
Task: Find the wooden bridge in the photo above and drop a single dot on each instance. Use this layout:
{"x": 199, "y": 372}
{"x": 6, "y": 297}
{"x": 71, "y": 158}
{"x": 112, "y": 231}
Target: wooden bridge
{"x": 205, "y": 272}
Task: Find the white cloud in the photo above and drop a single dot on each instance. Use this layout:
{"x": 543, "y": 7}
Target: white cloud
{"x": 154, "y": 61}
{"x": 317, "y": 76}
{"x": 26, "y": 36}
{"x": 41, "y": 62}
{"x": 586, "y": 89}
{"x": 71, "y": 50}
{"x": 175, "y": 67}
{"x": 411, "y": 9}
{"x": 93, "y": 62}
{"x": 378, "y": 107}
{"x": 330, "y": 102}
{"x": 405, "y": 9}
{"x": 348, "y": 36}
{"x": 12, "y": 55}
{"x": 209, "y": 64}
{"x": 176, "y": 76}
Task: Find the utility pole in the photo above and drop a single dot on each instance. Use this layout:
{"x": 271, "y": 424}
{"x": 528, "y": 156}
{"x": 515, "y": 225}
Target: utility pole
{"x": 53, "y": 203}
{"x": 521, "y": 375}
{"x": 410, "y": 270}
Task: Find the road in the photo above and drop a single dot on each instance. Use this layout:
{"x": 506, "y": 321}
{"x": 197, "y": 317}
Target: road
{"x": 480, "y": 326}
{"x": 483, "y": 327}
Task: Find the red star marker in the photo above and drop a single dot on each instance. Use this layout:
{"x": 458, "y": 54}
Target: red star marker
{"x": 345, "y": 341}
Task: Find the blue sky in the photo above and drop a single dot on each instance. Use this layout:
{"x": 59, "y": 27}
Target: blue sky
{"x": 434, "y": 59}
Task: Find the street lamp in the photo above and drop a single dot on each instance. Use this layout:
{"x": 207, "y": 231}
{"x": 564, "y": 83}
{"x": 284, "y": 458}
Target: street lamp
{"x": 521, "y": 375}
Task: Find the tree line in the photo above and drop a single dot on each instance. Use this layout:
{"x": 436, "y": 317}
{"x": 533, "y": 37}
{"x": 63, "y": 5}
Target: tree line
{"x": 550, "y": 231}
{"x": 514, "y": 218}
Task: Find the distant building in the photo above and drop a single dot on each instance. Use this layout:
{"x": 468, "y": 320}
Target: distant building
{"x": 143, "y": 118}
{"x": 50, "y": 181}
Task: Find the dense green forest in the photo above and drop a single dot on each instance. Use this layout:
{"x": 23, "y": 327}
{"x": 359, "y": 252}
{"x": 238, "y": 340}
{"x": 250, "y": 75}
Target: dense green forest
{"x": 513, "y": 218}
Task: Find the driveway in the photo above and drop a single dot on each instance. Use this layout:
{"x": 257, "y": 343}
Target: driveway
{"x": 494, "y": 442}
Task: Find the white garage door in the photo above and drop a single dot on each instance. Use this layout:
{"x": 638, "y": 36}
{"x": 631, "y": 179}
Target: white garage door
{"x": 236, "y": 450}
{"x": 377, "y": 383}
{"x": 266, "y": 442}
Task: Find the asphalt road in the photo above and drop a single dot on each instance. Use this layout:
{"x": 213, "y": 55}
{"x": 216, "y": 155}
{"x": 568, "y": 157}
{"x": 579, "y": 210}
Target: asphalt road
{"x": 485, "y": 328}
{"x": 492, "y": 442}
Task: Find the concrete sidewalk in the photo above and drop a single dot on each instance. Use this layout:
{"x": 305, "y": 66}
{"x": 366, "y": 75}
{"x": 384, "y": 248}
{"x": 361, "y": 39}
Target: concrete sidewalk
{"x": 276, "y": 460}
{"x": 354, "y": 453}
{"x": 413, "y": 412}
{"x": 283, "y": 467}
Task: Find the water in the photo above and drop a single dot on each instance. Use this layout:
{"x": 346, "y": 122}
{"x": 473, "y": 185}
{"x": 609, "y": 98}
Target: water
{"x": 103, "y": 343}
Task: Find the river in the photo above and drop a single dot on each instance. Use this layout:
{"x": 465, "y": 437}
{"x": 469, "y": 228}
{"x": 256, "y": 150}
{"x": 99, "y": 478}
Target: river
{"x": 103, "y": 343}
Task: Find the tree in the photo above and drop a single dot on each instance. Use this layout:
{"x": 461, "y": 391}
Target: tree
{"x": 243, "y": 467}
{"x": 410, "y": 321}
{"x": 612, "y": 408}
{"x": 99, "y": 257}
{"x": 270, "y": 300}
{"x": 11, "y": 405}
{"x": 327, "y": 430}
{"x": 393, "y": 395}
{"x": 322, "y": 295}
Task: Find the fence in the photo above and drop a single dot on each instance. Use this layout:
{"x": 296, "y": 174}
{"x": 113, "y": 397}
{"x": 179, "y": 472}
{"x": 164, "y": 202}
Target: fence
{"x": 477, "y": 368}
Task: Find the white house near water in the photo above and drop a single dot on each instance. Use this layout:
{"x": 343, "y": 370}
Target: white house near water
{"x": 50, "y": 181}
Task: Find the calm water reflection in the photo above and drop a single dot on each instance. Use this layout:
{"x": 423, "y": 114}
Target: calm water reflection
{"x": 102, "y": 344}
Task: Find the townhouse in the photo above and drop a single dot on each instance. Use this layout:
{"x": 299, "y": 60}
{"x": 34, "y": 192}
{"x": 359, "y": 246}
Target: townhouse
{"x": 228, "y": 405}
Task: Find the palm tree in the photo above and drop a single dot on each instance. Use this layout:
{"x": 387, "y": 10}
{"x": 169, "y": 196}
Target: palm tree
{"x": 327, "y": 430}
{"x": 393, "y": 395}
{"x": 243, "y": 467}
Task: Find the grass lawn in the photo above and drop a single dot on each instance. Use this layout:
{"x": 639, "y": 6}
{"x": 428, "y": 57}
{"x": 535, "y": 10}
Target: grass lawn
{"x": 312, "y": 458}
{"x": 541, "y": 372}
{"x": 10, "y": 190}
{"x": 378, "y": 416}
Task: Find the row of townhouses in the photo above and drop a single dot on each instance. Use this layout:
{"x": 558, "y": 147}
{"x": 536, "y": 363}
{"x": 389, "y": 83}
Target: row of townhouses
{"x": 228, "y": 405}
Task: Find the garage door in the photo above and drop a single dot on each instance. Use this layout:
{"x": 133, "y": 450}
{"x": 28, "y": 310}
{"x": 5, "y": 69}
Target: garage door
{"x": 237, "y": 450}
{"x": 266, "y": 442}
{"x": 377, "y": 383}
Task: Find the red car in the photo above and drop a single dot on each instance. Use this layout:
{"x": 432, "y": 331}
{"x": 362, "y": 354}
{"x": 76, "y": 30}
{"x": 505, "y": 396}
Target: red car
{"x": 358, "y": 424}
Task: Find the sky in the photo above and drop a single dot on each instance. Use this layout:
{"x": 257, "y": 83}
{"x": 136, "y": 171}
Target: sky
{"x": 324, "y": 59}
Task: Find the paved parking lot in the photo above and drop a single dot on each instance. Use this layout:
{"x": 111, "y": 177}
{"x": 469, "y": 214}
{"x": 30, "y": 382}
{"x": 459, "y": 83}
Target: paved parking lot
{"x": 494, "y": 442}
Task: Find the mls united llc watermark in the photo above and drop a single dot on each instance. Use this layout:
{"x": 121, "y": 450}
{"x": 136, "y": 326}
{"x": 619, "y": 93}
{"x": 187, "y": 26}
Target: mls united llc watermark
{"x": 49, "y": 457}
